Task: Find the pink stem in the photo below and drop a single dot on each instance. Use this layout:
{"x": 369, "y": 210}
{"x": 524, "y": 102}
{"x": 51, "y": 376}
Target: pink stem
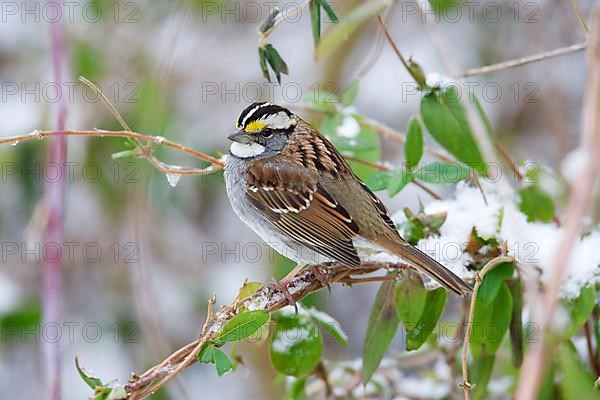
{"x": 54, "y": 200}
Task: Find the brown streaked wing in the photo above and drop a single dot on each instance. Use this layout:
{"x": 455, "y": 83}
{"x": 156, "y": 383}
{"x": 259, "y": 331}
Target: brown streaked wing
{"x": 290, "y": 197}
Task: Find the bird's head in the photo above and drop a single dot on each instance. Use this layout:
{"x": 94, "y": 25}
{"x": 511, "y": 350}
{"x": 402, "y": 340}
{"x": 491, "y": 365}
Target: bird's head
{"x": 263, "y": 129}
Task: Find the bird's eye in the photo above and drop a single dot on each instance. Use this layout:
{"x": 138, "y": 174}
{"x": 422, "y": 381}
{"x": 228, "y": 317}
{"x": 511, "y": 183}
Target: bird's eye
{"x": 266, "y": 133}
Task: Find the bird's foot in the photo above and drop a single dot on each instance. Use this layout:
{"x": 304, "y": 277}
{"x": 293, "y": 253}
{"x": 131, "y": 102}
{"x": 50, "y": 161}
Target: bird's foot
{"x": 282, "y": 286}
{"x": 320, "y": 276}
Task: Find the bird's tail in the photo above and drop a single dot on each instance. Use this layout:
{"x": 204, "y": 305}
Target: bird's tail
{"x": 434, "y": 269}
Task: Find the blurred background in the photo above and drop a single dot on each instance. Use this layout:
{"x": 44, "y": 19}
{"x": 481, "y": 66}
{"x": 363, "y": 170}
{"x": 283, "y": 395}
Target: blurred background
{"x": 145, "y": 256}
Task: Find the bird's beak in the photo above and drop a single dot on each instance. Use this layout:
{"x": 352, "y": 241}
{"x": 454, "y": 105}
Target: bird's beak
{"x": 241, "y": 137}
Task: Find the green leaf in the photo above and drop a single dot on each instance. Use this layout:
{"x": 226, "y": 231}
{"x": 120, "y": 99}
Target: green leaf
{"x": 222, "y": 363}
{"x": 329, "y": 11}
{"x": 315, "y": 20}
{"x": 441, "y": 6}
{"x": 577, "y": 383}
{"x": 413, "y": 148}
{"x": 445, "y": 119}
{"x": 548, "y": 390}
{"x": 296, "y": 345}
{"x": 117, "y": 392}
{"x": 378, "y": 181}
{"x": 536, "y": 204}
{"x": 411, "y": 296}
{"x": 481, "y": 372}
{"x": 442, "y": 173}
{"x": 434, "y": 306}
{"x": 207, "y": 355}
{"x": 242, "y": 326}
{"x": 398, "y": 181}
{"x": 296, "y": 390}
{"x": 262, "y": 57}
{"x": 492, "y": 281}
{"x": 212, "y": 355}
{"x": 276, "y": 62}
{"x": 383, "y": 322}
{"x": 248, "y": 289}
{"x": 91, "y": 381}
{"x": 350, "y": 93}
{"x": 490, "y": 323}
{"x": 516, "y": 322}
{"x": 329, "y": 324}
{"x": 335, "y": 36}
{"x": 579, "y": 310}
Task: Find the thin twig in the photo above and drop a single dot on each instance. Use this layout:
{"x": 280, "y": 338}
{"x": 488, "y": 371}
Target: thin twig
{"x": 579, "y": 202}
{"x": 426, "y": 189}
{"x": 216, "y": 164}
{"x": 380, "y": 167}
{"x": 466, "y": 386}
{"x": 106, "y": 102}
{"x": 587, "y": 330}
{"x": 520, "y": 61}
{"x": 509, "y": 161}
{"x": 393, "y": 44}
{"x": 579, "y": 16}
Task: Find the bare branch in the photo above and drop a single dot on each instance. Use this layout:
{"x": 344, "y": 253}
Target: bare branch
{"x": 521, "y": 61}
{"x": 267, "y": 298}
{"x": 579, "y": 202}
{"x": 216, "y": 164}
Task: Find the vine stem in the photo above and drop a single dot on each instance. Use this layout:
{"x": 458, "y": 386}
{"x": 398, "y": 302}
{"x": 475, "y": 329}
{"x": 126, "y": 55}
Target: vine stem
{"x": 466, "y": 386}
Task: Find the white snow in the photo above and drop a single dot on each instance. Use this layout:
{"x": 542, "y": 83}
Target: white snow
{"x": 173, "y": 179}
{"x": 283, "y": 343}
{"x": 533, "y": 244}
{"x": 349, "y": 127}
{"x": 436, "y": 80}
{"x": 466, "y": 211}
{"x": 573, "y": 163}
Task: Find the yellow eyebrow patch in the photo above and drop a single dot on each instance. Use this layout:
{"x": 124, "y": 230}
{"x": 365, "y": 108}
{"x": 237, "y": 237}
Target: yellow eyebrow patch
{"x": 255, "y": 126}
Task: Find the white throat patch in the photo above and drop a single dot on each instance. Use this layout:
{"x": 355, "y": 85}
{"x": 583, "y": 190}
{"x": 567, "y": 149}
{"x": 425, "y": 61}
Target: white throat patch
{"x": 246, "y": 150}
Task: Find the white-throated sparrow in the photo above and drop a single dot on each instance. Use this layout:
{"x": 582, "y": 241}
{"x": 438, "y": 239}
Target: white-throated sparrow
{"x": 292, "y": 187}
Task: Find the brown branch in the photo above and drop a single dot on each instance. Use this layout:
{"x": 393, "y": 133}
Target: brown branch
{"x": 380, "y": 167}
{"x": 267, "y": 298}
{"x": 587, "y": 330}
{"x": 579, "y": 202}
{"x": 508, "y": 159}
{"x": 394, "y": 46}
{"x": 520, "y": 61}
{"x": 426, "y": 189}
{"x": 216, "y": 164}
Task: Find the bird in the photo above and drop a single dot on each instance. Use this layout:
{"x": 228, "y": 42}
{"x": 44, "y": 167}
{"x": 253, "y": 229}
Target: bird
{"x": 289, "y": 184}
